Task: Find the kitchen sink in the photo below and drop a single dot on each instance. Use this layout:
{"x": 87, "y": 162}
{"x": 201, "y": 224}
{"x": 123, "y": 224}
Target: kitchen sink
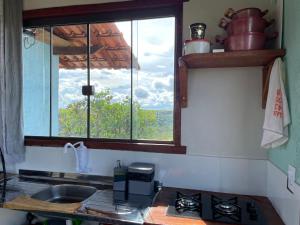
{"x": 65, "y": 193}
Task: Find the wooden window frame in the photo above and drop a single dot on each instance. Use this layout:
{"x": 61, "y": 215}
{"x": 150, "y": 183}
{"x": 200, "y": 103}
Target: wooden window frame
{"x": 109, "y": 12}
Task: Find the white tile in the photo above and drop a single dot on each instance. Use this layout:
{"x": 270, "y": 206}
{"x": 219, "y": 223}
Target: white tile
{"x": 191, "y": 172}
{"x": 286, "y": 204}
{"x": 258, "y": 177}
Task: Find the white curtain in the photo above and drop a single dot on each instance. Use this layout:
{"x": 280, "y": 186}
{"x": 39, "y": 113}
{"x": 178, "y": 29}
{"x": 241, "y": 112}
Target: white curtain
{"x": 11, "y": 115}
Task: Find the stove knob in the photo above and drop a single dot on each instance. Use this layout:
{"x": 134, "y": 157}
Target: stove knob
{"x": 251, "y": 207}
{"x": 253, "y": 216}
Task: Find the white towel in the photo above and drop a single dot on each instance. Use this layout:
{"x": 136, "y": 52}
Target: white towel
{"x": 277, "y": 116}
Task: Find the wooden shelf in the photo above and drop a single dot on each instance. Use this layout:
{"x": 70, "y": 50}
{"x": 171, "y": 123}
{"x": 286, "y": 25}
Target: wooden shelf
{"x": 263, "y": 58}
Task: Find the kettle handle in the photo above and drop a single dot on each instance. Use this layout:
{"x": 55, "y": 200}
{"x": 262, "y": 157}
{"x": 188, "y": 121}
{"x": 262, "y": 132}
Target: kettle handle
{"x": 269, "y": 23}
{"x": 229, "y": 13}
{"x": 265, "y": 12}
{"x": 223, "y": 23}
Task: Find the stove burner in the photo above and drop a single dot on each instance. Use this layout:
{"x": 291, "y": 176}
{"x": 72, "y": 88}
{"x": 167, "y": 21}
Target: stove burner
{"x": 185, "y": 203}
{"x": 226, "y": 208}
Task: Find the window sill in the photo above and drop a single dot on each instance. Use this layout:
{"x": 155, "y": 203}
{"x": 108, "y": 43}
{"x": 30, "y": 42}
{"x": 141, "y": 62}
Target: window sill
{"x": 154, "y": 147}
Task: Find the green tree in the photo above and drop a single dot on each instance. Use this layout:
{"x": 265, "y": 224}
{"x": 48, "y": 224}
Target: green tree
{"x": 111, "y": 119}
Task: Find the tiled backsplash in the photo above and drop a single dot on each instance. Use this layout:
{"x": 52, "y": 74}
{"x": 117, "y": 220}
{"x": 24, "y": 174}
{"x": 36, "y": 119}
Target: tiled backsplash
{"x": 286, "y": 204}
{"x": 241, "y": 176}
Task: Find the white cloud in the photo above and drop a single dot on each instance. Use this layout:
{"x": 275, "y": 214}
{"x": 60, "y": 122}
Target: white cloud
{"x": 151, "y": 90}
{"x": 153, "y": 84}
{"x": 141, "y": 93}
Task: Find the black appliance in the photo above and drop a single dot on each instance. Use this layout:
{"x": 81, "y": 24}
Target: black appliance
{"x": 229, "y": 209}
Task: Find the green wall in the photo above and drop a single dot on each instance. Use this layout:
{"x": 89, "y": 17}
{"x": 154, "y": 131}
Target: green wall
{"x": 290, "y": 153}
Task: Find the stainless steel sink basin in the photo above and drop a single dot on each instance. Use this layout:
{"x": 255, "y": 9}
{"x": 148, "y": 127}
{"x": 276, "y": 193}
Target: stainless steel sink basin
{"x": 65, "y": 193}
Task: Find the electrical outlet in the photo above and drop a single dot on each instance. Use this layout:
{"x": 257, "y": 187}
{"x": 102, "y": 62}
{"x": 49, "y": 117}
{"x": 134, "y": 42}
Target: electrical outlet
{"x": 291, "y": 179}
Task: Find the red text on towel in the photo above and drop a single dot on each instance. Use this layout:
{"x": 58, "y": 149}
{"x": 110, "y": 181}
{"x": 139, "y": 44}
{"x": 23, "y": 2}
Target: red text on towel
{"x": 278, "y": 111}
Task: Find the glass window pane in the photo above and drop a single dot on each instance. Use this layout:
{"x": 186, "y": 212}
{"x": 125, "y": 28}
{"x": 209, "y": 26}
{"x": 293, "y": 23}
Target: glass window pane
{"x": 146, "y": 74}
{"x": 36, "y": 82}
{"x": 69, "y": 74}
{"x": 153, "y": 79}
{"x": 111, "y": 76}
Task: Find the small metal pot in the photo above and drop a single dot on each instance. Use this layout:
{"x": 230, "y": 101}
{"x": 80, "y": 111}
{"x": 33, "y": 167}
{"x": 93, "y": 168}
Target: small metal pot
{"x": 197, "y": 30}
{"x": 250, "y": 41}
{"x": 247, "y": 12}
{"x": 246, "y": 41}
{"x": 245, "y": 25}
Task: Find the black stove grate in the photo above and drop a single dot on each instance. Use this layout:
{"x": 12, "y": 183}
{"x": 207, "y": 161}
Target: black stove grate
{"x": 218, "y": 208}
{"x": 226, "y": 208}
{"x": 191, "y": 203}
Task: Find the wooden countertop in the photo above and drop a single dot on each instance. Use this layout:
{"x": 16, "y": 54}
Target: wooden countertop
{"x": 157, "y": 213}
{"x": 28, "y": 204}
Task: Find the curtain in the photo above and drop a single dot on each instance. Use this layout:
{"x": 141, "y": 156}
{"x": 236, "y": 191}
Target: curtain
{"x": 11, "y": 112}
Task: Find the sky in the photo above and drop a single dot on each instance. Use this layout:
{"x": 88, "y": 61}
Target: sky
{"x": 153, "y": 46}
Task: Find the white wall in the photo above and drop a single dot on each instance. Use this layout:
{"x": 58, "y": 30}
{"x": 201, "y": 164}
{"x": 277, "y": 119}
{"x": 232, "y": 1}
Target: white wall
{"x": 286, "y": 204}
{"x": 221, "y": 127}
{"x": 224, "y": 116}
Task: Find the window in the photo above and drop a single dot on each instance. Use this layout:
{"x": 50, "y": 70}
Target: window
{"x": 103, "y": 82}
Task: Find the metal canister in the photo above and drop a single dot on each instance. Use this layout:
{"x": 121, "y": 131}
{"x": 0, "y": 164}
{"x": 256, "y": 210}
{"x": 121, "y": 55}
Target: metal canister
{"x": 141, "y": 178}
{"x": 120, "y": 177}
{"x": 197, "y": 30}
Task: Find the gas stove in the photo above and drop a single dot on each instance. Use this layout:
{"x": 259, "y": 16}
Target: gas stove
{"x": 231, "y": 210}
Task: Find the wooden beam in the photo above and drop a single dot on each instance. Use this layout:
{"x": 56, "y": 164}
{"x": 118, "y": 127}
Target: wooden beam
{"x": 43, "y": 35}
{"x": 183, "y": 82}
{"x": 75, "y": 50}
{"x": 57, "y": 41}
{"x": 75, "y": 36}
{"x": 83, "y": 10}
